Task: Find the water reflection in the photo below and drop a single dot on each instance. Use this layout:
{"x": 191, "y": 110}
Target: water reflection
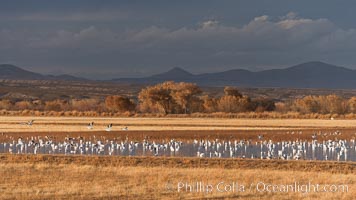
{"x": 337, "y": 150}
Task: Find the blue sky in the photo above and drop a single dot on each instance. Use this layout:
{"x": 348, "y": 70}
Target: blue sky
{"x": 109, "y": 39}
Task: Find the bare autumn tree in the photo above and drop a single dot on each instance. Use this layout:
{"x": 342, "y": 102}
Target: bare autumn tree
{"x": 231, "y": 91}
{"x": 308, "y": 104}
{"x": 86, "y": 104}
{"x": 171, "y": 97}
{"x": 234, "y": 104}
{"x": 334, "y": 104}
{"x": 6, "y": 104}
{"x": 352, "y": 105}
{"x": 210, "y": 105}
{"x": 262, "y": 104}
{"x": 185, "y": 95}
{"x": 283, "y": 107}
{"x": 119, "y": 103}
{"x": 233, "y": 101}
{"x": 22, "y": 105}
{"x": 330, "y": 104}
{"x": 56, "y": 105}
{"x": 157, "y": 95}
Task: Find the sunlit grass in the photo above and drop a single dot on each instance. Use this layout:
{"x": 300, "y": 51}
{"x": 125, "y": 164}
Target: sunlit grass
{"x": 46, "y": 124}
{"x": 54, "y": 179}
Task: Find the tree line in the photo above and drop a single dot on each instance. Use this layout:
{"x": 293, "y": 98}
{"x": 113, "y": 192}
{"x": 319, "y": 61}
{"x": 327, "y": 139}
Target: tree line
{"x": 187, "y": 98}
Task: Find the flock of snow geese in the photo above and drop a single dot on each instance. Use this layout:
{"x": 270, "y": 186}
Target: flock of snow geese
{"x": 312, "y": 149}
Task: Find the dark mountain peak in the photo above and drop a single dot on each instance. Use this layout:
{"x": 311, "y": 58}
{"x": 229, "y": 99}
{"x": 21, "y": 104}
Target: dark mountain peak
{"x": 313, "y": 74}
{"x": 237, "y": 71}
{"x": 4, "y": 66}
{"x": 179, "y": 71}
{"x": 65, "y": 77}
{"x": 311, "y": 63}
{"x": 12, "y": 72}
{"x": 9, "y": 67}
{"x": 317, "y": 66}
{"x": 174, "y": 73}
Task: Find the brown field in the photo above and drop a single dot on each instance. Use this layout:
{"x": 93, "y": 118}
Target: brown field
{"x": 105, "y": 177}
{"x": 74, "y": 177}
{"x": 71, "y": 124}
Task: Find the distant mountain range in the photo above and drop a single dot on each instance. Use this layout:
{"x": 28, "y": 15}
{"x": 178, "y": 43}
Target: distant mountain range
{"x": 12, "y": 72}
{"x": 306, "y": 75}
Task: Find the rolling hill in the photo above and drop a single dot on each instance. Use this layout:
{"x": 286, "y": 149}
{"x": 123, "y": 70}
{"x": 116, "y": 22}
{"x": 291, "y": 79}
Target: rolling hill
{"x": 12, "y": 72}
{"x": 306, "y": 75}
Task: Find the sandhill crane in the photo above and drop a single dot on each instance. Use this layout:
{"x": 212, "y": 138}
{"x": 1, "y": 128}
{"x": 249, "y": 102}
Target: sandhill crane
{"x": 314, "y": 136}
{"x": 90, "y": 126}
{"x": 260, "y": 137}
{"x": 109, "y": 127}
{"x": 29, "y": 123}
{"x": 20, "y": 145}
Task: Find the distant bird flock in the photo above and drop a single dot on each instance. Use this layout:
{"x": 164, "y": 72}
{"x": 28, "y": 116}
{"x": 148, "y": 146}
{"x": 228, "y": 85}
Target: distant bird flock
{"x": 313, "y": 149}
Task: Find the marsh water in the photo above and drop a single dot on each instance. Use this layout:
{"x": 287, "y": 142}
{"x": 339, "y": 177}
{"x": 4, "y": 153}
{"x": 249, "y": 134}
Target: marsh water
{"x": 341, "y": 150}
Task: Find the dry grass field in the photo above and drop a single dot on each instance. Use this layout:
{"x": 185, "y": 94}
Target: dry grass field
{"x": 74, "y": 177}
{"x": 76, "y": 124}
{"x": 113, "y": 177}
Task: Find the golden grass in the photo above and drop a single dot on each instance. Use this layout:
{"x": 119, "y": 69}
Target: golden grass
{"x": 70, "y": 124}
{"x": 52, "y": 177}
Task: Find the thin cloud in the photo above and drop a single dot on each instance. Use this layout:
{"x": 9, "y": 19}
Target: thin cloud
{"x": 210, "y": 24}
